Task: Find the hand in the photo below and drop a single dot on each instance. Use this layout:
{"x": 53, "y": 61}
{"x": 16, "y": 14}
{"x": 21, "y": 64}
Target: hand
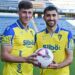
{"x": 53, "y": 65}
{"x": 33, "y": 60}
{"x": 32, "y": 57}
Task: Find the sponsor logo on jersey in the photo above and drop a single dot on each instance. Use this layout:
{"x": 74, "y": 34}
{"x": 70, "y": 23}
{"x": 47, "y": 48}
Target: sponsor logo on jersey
{"x": 52, "y": 47}
{"x": 28, "y": 43}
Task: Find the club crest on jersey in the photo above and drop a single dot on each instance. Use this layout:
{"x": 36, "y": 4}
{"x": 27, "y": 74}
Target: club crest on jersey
{"x": 59, "y": 36}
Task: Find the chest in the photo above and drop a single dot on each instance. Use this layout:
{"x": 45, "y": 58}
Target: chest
{"x": 54, "y": 42}
{"x": 55, "y": 38}
{"x": 22, "y": 37}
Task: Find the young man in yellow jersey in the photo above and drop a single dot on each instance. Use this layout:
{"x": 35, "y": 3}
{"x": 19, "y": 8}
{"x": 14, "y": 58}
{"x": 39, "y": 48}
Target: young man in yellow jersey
{"x": 18, "y": 43}
{"x": 58, "y": 40}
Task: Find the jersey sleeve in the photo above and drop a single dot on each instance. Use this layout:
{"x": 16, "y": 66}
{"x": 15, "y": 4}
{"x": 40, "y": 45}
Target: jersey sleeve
{"x": 8, "y": 36}
{"x": 70, "y": 44}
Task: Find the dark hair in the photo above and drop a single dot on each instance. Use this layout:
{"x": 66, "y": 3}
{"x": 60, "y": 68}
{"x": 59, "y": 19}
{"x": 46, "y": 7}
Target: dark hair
{"x": 50, "y": 8}
{"x": 25, "y": 5}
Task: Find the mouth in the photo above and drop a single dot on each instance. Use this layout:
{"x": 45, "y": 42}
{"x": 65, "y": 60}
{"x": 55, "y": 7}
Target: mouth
{"x": 50, "y": 21}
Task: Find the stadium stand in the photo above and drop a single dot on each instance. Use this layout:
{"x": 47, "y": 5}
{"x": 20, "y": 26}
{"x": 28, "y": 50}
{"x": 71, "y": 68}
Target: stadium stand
{"x": 39, "y": 23}
{"x": 8, "y": 5}
{"x": 7, "y": 19}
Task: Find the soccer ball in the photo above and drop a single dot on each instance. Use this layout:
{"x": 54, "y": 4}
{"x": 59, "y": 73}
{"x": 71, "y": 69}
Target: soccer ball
{"x": 44, "y": 57}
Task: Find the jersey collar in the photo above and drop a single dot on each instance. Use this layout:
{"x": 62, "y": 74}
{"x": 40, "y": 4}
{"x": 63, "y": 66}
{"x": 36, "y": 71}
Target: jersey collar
{"x": 56, "y": 31}
{"x": 20, "y": 24}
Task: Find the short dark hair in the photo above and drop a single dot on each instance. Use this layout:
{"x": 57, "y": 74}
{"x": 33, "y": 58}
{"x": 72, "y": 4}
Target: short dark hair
{"x": 50, "y": 8}
{"x": 25, "y": 5}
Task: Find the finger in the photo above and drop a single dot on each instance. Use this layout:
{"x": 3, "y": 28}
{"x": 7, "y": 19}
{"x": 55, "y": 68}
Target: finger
{"x": 33, "y": 55}
{"x": 54, "y": 62}
{"x": 33, "y": 58}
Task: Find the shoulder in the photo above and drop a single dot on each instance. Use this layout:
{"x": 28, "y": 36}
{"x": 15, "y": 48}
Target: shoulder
{"x": 31, "y": 29}
{"x": 41, "y": 32}
{"x": 65, "y": 31}
{"x": 9, "y": 30}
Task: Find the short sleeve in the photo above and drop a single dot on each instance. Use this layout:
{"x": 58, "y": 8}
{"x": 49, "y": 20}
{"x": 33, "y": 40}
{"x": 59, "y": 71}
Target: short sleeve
{"x": 8, "y": 35}
{"x": 70, "y": 44}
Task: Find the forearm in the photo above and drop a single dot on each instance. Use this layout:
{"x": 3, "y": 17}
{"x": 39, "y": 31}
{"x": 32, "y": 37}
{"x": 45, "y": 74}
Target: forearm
{"x": 64, "y": 63}
{"x": 10, "y": 58}
{"x": 67, "y": 61}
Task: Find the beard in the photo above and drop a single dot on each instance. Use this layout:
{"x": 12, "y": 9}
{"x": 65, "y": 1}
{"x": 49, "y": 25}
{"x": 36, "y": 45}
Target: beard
{"x": 50, "y": 23}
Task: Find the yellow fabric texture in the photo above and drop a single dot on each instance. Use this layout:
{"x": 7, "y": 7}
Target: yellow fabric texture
{"x": 57, "y": 43}
{"x": 22, "y": 45}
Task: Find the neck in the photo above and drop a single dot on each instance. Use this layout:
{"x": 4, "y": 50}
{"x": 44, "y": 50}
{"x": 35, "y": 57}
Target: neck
{"x": 52, "y": 29}
{"x": 25, "y": 26}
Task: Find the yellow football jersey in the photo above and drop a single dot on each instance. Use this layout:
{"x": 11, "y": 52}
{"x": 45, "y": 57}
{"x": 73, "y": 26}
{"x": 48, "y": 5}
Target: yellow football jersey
{"x": 22, "y": 43}
{"x": 58, "y": 42}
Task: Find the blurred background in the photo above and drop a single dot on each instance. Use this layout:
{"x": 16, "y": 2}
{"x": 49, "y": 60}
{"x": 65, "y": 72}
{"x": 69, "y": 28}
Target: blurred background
{"x": 8, "y": 15}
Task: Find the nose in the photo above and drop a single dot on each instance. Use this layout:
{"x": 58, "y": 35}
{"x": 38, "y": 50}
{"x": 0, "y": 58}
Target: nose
{"x": 51, "y": 17}
{"x": 27, "y": 15}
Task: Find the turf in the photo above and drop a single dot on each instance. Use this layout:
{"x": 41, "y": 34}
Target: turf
{"x": 1, "y": 67}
